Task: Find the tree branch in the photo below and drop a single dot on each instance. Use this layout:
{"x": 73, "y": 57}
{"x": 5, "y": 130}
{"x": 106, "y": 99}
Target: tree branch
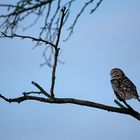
{"x": 28, "y": 37}
{"x": 119, "y": 104}
{"x": 20, "y": 9}
{"x": 16, "y": 16}
{"x": 126, "y": 111}
{"x": 134, "y": 113}
{"x": 122, "y": 106}
{"x": 97, "y": 5}
{"x": 53, "y": 100}
{"x": 56, "y": 51}
{"x": 86, "y": 4}
{"x": 41, "y": 89}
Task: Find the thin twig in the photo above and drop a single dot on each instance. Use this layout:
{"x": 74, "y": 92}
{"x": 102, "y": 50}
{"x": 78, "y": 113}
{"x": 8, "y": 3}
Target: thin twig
{"x": 97, "y": 5}
{"x": 128, "y": 105}
{"x": 28, "y": 37}
{"x": 119, "y": 104}
{"x": 71, "y": 28}
{"x": 133, "y": 112}
{"x": 41, "y": 89}
{"x": 3, "y": 97}
{"x": 31, "y": 92}
{"x": 8, "y": 5}
{"x": 56, "y": 52}
{"x": 22, "y": 10}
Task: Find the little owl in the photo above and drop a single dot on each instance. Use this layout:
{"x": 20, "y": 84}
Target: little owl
{"x": 123, "y": 87}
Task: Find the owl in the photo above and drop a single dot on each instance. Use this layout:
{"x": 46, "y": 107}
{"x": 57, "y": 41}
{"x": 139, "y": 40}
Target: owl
{"x": 123, "y": 87}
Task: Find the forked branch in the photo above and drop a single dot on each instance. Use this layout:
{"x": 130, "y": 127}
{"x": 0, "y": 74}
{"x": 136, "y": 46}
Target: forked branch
{"x": 26, "y": 96}
{"x": 52, "y": 45}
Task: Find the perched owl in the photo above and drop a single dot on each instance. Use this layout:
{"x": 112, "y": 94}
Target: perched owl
{"x": 122, "y": 86}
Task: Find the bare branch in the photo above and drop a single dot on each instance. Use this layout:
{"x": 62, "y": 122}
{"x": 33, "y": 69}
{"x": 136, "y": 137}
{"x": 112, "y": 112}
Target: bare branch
{"x": 126, "y": 111}
{"x": 31, "y": 92}
{"x": 6, "y": 99}
{"x": 128, "y": 105}
{"x": 8, "y": 5}
{"x": 28, "y": 37}
{"x": 41, "y": 89}
{"x": 56, "y": 51}
{"x": 122, "y": 106}
{"x": 22, "y": 9}
{"x": 17, "y": 13}
{"x": 71, "y": 28}
{"x": 119, "y": 104}
{"x": 50, "y": 10}
{"x": 97, "y": 5}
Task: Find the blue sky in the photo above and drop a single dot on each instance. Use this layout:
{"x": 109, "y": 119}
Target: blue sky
{"x": 109, "y": 38}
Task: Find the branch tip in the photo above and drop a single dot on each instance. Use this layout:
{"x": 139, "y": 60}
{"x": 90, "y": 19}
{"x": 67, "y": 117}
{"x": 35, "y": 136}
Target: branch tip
{"x": 42, "y": 91}
{"x": 6, "y": 99}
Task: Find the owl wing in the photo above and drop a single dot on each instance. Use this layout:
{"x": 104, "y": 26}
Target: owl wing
{"x": 124, "y": 89}
{"x": 127, "y": 86}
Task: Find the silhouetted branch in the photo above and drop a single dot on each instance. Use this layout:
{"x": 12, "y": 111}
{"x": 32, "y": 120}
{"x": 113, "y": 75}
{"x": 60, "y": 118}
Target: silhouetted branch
{"x": 8, "y": 6}
{"x": 54, "y": 48}
{"x": 122, "y": 106}
{"x": 18, "y": 13}
{"x": 128, "y": 105}
{"x": 126, "y": 111}
{"x": 28, "y": 37}
{"x": 97, "y": 5}
{"x": 71, "y": 28}
{"x": 56, "y": 51}
{"x": 6, "y": 99}
{"x": 119, "y": 104}
{"x": 41, "y": 89}
{"x": 31, "y": 92}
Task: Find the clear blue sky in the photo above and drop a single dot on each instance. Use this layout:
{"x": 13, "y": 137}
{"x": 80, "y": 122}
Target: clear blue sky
{"x": 109, "y": 38}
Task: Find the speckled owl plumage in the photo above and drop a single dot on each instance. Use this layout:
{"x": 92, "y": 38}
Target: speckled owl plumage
{"x": 123, "y": 87}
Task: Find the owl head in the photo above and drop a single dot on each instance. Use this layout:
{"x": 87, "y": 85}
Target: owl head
{"x": 116, "y": 73}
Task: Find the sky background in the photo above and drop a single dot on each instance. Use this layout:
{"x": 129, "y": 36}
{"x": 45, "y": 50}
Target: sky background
{"x": 109, "y": 38}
